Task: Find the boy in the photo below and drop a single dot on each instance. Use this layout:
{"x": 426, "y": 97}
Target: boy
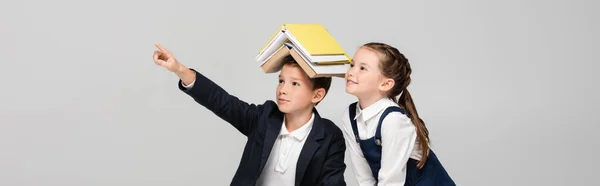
{"x": 288, "y": 142}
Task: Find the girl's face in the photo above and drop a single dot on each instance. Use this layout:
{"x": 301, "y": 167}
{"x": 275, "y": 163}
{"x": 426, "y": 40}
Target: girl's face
{"x": 364, "y": 77}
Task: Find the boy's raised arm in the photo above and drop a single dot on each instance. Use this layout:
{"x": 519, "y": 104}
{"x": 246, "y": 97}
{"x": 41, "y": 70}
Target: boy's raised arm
{"x": 238, "y": 113}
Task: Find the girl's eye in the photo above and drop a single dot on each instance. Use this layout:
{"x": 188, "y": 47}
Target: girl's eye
{"x": 280, "y": 81}
{"x": 363, "y": 68}
{"x": 351, "y": 65}
{"x": 296, "y": 84}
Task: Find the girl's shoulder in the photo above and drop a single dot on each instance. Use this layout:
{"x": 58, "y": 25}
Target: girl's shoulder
{"x": 394, "y": 112}
{"x": 395, "y": 120}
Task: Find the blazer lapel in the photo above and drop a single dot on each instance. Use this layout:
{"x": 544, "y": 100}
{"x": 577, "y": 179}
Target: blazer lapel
{"x": 273, "y": 128}
{"x": 311, "y": 145}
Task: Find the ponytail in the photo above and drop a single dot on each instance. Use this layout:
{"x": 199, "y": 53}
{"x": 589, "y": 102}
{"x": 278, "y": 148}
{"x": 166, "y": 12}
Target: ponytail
{"x": 406, "y": 102}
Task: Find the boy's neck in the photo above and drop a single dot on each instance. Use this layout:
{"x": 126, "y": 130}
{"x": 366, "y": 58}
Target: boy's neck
{"x": 366, "y": 101}
{"x": 297, "y": 119}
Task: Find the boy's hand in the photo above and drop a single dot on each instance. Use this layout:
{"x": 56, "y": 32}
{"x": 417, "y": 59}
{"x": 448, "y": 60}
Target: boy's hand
{"x": 165, "y": 58}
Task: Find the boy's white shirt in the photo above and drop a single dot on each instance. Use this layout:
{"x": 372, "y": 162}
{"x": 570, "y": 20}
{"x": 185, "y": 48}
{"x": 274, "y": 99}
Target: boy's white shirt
{"x": 398, "y": 143}
{"x": 280, "y": 168}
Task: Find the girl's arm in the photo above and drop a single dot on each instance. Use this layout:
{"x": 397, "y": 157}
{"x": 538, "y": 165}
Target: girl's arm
{"x": 359, "y": 164}
{"x": 398, "y": 141}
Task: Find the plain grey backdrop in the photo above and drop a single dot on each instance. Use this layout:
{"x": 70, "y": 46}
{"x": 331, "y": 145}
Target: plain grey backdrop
{"x": 508, "y": 89}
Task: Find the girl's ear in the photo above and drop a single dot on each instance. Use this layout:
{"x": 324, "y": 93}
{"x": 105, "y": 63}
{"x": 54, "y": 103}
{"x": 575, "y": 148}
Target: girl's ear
{"x": 386, "y": 84}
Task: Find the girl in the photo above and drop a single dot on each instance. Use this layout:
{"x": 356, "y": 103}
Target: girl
{"x": 387, "y": 141}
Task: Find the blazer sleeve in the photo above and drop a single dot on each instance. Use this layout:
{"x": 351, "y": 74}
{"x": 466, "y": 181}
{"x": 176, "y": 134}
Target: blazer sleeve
{"x": 241, "y": 115}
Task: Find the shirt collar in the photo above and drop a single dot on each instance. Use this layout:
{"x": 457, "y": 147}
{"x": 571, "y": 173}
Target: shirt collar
{"x": 300, "y": 133}
{"x": 374, "y": 109}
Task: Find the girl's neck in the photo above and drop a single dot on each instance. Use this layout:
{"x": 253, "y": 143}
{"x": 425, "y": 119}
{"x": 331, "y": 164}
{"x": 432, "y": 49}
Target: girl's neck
{"x": 366, "y": 101}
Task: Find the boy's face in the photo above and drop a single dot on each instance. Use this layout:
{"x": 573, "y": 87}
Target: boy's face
{"x": 295, "y": 90}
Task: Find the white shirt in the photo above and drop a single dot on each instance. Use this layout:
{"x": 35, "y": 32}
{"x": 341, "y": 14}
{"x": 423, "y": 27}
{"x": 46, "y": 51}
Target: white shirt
{"x": 398, "y": 141}
{"x": 280, "y": 168}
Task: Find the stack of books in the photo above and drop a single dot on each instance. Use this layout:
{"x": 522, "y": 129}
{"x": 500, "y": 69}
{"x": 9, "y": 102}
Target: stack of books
{"x": 311, "y": 45}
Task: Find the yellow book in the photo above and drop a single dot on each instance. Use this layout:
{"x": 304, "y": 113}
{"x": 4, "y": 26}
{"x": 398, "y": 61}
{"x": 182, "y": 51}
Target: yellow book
{"x": 272, "y": 38}
{"x": 313, "y": 43}
{"x": 315, "y": 39}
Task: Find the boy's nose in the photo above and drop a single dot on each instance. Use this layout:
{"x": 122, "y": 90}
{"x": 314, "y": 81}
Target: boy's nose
{"x": 282, "y": 90}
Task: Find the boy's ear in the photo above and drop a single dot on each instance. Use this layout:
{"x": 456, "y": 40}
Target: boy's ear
{"x": 318, "y": 95}
{"x": 387, "y": 84}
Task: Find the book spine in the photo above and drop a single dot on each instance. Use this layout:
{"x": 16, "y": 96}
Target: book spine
{"x": 332, "y": 63}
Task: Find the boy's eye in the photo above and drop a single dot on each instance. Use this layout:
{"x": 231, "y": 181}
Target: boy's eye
{"x": 363, "y": 68}
{"x": 296, "y": 84}
{"x": 351, "y": 64}
{"x": 280, "y": 81}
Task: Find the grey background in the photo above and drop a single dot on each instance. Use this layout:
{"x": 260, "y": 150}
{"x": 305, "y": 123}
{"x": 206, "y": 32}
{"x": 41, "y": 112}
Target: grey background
{"x": 507, "y": 88}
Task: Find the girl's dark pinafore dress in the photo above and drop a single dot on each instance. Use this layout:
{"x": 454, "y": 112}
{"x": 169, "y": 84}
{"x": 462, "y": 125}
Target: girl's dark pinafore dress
{"x": 432, "y": 174}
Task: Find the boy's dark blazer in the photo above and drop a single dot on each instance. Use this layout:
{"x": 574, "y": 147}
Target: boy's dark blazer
{"x": 321, "y": 160}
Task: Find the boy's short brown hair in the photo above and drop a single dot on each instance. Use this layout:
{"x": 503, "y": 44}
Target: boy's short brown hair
{"x": 320, "y": 82}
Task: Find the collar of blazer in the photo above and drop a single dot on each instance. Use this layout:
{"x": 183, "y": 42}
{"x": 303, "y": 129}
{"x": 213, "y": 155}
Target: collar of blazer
{"x": 312, "y": 144}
